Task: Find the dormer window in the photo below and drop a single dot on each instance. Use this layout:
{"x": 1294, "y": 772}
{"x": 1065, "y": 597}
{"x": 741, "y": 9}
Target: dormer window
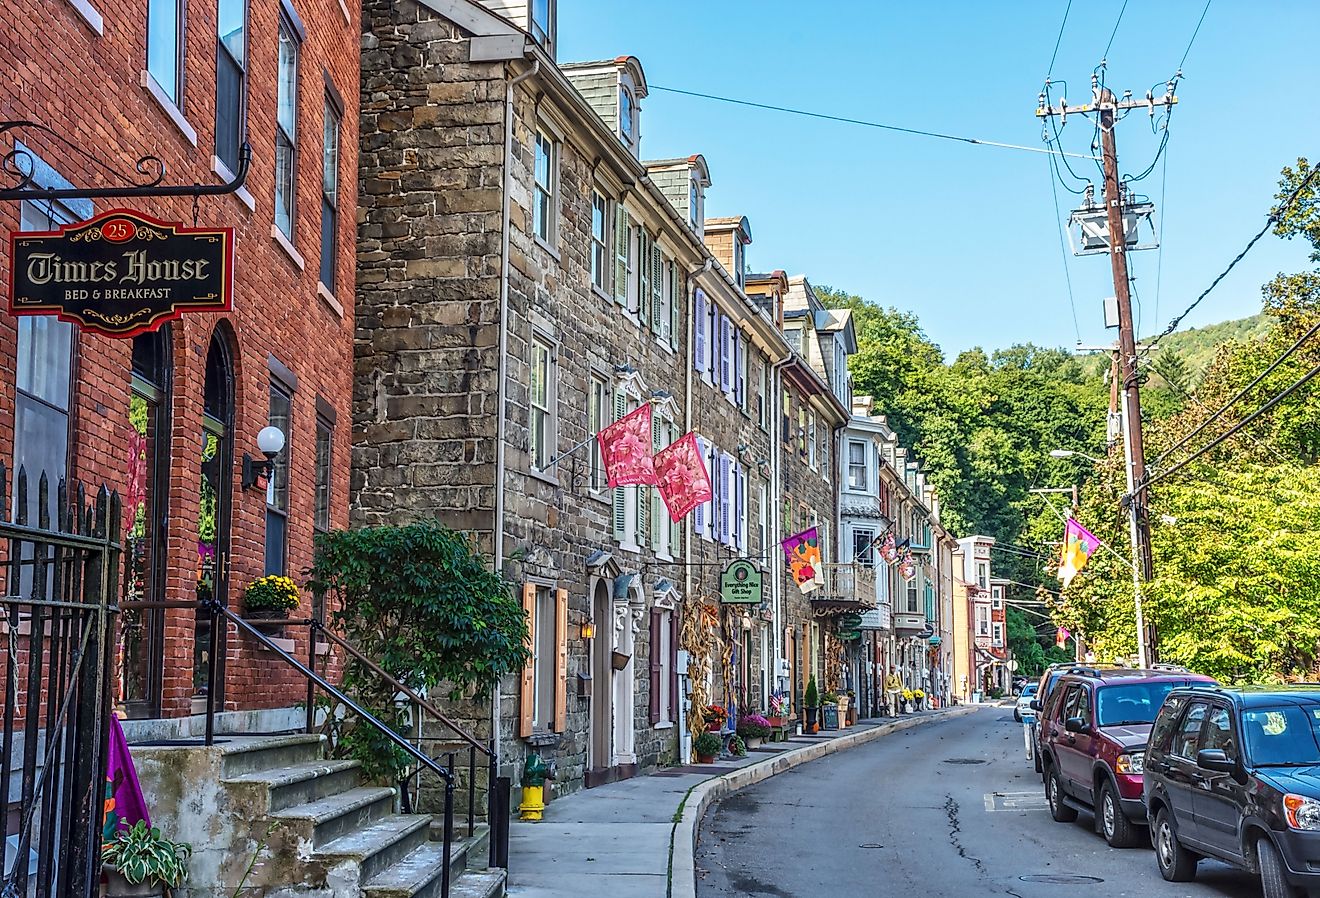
{"x": 739, "y": 262}
{"x": 627, "y": 117}
{"x": 696, "y": 207}
{"x": 541, "y": 20}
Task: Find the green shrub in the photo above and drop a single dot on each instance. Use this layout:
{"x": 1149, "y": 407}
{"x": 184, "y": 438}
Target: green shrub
{"x": 812, "y": 697}
{"x": 707, "y": 744}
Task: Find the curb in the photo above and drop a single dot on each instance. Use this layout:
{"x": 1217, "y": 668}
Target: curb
{"x": 683, "y": 837}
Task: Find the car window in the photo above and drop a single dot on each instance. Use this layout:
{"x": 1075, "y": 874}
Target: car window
{"x": 1166, "y": 722}
{"x": 1067, "y": 702}
{"x": 1282, "y": 737}
{"x": 1189, "y": 733}
{"x": 1082, "y": 708}
{"x": 1130, "y": 703}
{"x": 1218, "y": 732}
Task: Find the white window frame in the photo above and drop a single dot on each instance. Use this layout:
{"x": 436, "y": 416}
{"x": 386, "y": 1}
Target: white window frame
{"x": 288, "y": 34}
{"x": 541, "y": 451}
{"x": 542, "y": 32}
{"x": 739, "y": 261}
{"x": 763, "y": 515}
{"x": 983, "y": 575}
{"x": 601, "y": 255}
{"x": 173, "y": 40}
{"x": 633, "y": 268}
{"x": 812, "y": 460}
{"x": 666, "y": 657}
{"x": 982, "y": 620}
{"x": 545, "y": 185}
{"x": 629, "y": 125}
{"x": 865, "y": 484}
{"x": 598, "y": 395}
{"x": 665, "y": 332}
{"x": 996, "y": 634}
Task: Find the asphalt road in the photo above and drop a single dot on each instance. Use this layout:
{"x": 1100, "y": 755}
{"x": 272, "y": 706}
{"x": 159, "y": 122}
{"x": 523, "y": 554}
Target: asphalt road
{"x": 946, "y": 809}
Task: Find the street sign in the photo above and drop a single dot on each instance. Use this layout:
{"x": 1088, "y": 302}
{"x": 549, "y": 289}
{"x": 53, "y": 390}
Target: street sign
{"x": 740, "y": 584}
{"x": 121, "y": 273}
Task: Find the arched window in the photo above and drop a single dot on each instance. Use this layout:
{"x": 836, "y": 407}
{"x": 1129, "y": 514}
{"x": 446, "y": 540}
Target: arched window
{"x": 146, "y": 502}
{"x": 216, "y": 464}
{"x": 627, "y": 116}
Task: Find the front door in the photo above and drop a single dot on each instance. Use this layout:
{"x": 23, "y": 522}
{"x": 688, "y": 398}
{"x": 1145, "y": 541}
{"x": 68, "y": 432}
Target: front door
{"x": 215, "y": 462}
{"x": 1217, "y": 800}
{"x": 602, "y": 717}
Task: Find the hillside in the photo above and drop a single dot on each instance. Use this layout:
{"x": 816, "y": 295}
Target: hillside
{"x": 1198, "y": 345}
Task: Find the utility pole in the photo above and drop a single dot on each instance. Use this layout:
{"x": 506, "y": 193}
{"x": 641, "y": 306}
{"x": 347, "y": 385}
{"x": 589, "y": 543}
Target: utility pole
{"x": 1104, "y": 105}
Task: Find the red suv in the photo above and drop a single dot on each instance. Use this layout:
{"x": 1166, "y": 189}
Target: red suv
{"x": 1093, "y": 734}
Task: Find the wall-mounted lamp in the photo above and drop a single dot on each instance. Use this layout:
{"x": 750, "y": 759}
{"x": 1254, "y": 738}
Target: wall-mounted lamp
{"x": 270, "y": 442}
{"x": 588, "y": 630}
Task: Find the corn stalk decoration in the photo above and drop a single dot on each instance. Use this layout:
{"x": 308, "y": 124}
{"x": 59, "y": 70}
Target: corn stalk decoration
{"x": 697, "y": 637}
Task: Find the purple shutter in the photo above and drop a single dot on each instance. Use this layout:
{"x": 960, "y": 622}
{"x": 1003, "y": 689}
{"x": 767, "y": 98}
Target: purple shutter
{"x": 712, "y": 353}
{"x": 726, "y": 498}
{"x": 653, "y": 713}
{"x": 724, "y": 353}
{"x": 699, "y": 325}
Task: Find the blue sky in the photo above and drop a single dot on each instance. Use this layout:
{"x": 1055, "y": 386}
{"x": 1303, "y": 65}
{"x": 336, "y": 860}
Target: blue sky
{"x": 967, "y": 236}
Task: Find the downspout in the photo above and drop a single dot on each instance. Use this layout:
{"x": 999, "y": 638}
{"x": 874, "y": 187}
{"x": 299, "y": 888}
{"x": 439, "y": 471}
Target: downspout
{"x": 774, "y": 522}
{"x": 502, "y": 365}
{"x": 684, "y": 735}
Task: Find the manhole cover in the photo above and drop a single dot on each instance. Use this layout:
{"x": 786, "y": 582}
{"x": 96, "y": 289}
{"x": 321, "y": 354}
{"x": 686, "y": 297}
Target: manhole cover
{"x": 1063, "y": 879}
{"x": 964, "y": 760}
{"x": 870, "y": 845}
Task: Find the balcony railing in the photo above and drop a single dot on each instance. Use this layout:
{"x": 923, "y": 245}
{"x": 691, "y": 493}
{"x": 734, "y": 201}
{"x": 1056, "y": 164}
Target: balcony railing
{"x": 847, "y": 587}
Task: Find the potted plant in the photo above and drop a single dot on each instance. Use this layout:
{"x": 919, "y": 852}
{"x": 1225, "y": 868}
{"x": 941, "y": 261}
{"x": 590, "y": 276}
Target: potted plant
{"x": 778, "y": 710}
{"x": 812, "y": 701}
{"x": 918, "y": 698}
{"x": 715, "y": 716}
{"x": 706, "y": 747}
{"x": 139, "y": 862}
{"x": 906, "y": 697}
{"x": 753, "y": 729}
{"x": 737, "y": 747}
{"x": 271, "y": 597}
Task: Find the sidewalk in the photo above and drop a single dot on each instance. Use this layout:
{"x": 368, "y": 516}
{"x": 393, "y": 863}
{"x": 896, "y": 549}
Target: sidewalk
{"x": 625, "y": 830}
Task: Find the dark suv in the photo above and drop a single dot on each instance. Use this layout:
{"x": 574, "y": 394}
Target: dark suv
{"x": 1093, "y": 735}
{"x": 1235, "y": 774}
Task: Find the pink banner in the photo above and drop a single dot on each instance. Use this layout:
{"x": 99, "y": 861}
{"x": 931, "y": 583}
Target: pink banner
{"x": 889, "y": 551}
{"x": 625, "y": 447}
{"x": 682, "y": 477}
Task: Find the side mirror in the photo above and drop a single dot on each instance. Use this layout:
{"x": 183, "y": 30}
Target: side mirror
{"x": 1035, "y": 705}
{"x": 1075, "y": 725}
{"x": 1215, "y": 759}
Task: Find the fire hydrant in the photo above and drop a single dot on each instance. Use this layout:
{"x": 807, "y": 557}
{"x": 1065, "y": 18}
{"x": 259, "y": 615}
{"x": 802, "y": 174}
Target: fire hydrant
{"x": 535, "y": 773}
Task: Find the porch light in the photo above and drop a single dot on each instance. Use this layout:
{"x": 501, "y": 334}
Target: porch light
{"x": 588, "y": 630}
{"x": 270, "y": 443}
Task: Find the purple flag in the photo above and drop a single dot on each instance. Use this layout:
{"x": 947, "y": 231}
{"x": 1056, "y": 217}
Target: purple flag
{"x": 124, "y": 804}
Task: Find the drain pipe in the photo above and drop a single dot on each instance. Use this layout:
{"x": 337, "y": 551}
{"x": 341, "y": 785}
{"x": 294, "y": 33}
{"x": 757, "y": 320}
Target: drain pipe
{"x": 777, "y": 585}
{"x": 502, "y": 366}
{"x": 684, "y": 734}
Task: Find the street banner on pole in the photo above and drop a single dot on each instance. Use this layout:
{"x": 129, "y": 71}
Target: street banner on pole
{"x": 1078, "y": 546}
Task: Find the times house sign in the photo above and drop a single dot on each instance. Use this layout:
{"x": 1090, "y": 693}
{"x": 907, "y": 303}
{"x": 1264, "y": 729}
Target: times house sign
{"x": 121, "y": 273}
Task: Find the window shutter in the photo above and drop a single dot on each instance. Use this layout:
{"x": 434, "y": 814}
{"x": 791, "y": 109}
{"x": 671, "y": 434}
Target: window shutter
{"x": 726, "y": 495}
{"x": 699, "y": 329}
{"x": 620, "y": 507}
{"x": 673, "y": 666}
{"x": 620, "y": 254}
{"x": 676, "y": 293}
{"x": 643, "y": 514}
{"x": 712, "y": 332}
{"x": 657, "y": 290}
{"x": 725, "y": 379}
{"x": 561, "y": 658}
{"x": 742, "y": 372}
{"x": 652, "y": 495}
{"x": 739, "y": 358}
{"x": 527, "y": 688}
{"x": 653, "y": 713}
{"x": 740, "y": 508}
{"x": 643, "y": 265}
{"x": 675, "y": 538}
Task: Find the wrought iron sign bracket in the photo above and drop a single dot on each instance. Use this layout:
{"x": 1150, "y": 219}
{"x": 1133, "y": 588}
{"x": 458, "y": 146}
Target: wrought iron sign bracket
{"x": 150, "y": 170}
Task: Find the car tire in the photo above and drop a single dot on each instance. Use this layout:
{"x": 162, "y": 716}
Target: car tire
{"x": 1017, "y": 715}
{"x": 1054, "y": 795}
{"x": 1118, "y": 830}
{"x": 1035, "y": 753}
{"x": 1273, "y": 874}
{"x": 1176, "y": 863}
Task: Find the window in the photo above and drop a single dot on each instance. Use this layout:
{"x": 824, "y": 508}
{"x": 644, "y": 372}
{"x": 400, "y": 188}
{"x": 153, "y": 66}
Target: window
{"x": 627, "y": 117}
{"x": 786, "y": 419}
{"x": 632, "y": 267}
{"x": 740, "y": 366}
{"x": 542, "y": 20}
{"x": 286, "y": 127}
{"x": 1287, "y": 736}
{"x": 543, "y": 192}
{"x": 665, "y": 311}
{"x": 739, "y": 263}
{"x": 861, "y": 546}
{"x": 763, "y": 517}
{"x": 856, "y": 465}
{"x": 1165, "y": 723}
{"x": 696, "y": 212}
{"x": 597, "y": 402}
{"x": 997, "y": 630}
{"x": 763, "y": 397}
{"x": 230, "y": 80}
{"x": 329, "y": 193}
{"x": 165, "y": 46}
{"x": 600, "y": 211}
{"x": 802, "y": 432}
{"x": 542, "y": 425}
{"x": 912, "y": 598}
{"x": 545, "y": 648}
{"x": 811, "y": 440}
{"x": 1184, "y": 744}
{"x": 982, "y": 575}
{"x": 663, "y": 679}
{"x": 982, "y": 620}
{"x": 277, "y": 486}
{"x": 324, "y": 487}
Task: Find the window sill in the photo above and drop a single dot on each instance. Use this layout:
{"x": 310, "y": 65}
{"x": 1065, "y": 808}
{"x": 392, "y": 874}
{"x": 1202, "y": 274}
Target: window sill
{"x": 329, "y": 298}
{"x": 278, "y": 236}
{"x": 663, "y": 725}
{"x": 602, "y": 294}
{"x": 600, "y": 496}
{"x": 544, "y": 476}
{"x": 626, "y": 546}
{"x": 663, "y": 556}
{"x": 89, "y": 15}
{"x": 170, "y": 108}
{"x": 547, "y": 246}
{"x": 666, "y": 344}
{"x": 244, "y": 196}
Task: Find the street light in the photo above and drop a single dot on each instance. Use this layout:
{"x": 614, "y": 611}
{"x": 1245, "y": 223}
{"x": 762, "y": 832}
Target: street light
{"x": 1132, "y": 539}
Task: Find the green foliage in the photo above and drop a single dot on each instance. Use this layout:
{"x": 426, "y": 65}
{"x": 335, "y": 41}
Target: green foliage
{"x": 271, "y": 593}
{"x": 707, "y": 745}
{"x": 141, "y": 854}
{"x": 418, "y": 601}
{"x": 812, "y": 696}
{"x": 830, "y": 698}
{"x": 737, "y": 747}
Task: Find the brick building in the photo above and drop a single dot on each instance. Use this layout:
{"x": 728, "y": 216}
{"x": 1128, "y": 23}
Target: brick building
{"x": 166, "y": 417}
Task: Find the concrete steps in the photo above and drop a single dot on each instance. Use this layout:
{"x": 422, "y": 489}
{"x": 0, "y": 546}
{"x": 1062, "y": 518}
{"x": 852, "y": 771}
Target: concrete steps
{"x": 345, "y": 836}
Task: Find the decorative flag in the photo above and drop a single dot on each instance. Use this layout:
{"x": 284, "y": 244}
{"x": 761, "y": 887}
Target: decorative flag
{"x": 625, "y": 447}
{"x": 1078, "y": 544}
{"x": 889, "y": 551}
{"x": 681, "y": 475}
{"x": 1061, "y": 636}
{"x": 124, "y": 804}
{"x": 802, "y": 553}
{"x": 907, "y": 568}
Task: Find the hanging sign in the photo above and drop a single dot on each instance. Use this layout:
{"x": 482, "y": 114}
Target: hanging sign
{"x": 121, "y": 273}
{"x": 740, "y": 584}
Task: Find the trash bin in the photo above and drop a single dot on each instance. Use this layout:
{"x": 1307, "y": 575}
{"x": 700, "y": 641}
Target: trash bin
{"x": 976, "y": 698}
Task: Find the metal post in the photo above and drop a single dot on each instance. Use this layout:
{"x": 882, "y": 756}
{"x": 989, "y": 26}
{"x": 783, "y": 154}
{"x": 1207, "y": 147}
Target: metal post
{"x": 492, "y": 812}
{"x": 1134, "y": 535}
{"x": 449, "y": 828}
{"x": 472, "y": 790}
{"x": 212, "y": 671}
{"x": 311, "y": 684}
{"x": 500, "y": 826}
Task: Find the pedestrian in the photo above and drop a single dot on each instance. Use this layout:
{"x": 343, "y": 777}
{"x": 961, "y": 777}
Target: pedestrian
{"x": 893, "y": 689}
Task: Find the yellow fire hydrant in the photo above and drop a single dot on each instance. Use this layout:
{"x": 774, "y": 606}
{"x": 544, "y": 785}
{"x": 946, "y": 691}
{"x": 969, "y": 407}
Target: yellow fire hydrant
{"x": 535, "y": 773}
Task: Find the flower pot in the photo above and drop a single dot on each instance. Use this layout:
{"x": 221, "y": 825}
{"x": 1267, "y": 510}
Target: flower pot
{"x": 811, "y": 719}
{"x": 619, "y": 661}
{"x": 118, "y": 887}
{"x": 714, "y": 727}
{"x": 705, "y": 759}
{"x": 266, "y": 614}
{"x": 752, "y": 741}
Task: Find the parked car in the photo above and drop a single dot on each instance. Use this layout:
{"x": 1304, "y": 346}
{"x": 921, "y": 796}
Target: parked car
{"x": 1023, "y": 707}
{"x": 1044, "y": 688}
{"x": 1234, "y": 774}
{"x": 1093, "y": 736}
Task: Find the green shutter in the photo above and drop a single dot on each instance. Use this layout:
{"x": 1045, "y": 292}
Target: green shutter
{"x": 620, "y": 508}
{"x": 657, "y": 288}
{"x": 652, "y": 494}
{"x": 620, "y": 254}
{"x": 643, "y": 275}
{"x": 677, "y": 294}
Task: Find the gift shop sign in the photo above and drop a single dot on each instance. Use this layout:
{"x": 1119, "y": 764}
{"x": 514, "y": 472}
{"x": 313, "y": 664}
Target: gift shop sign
{"x": 121, "y": 273}
{"x": 740, "y": 584}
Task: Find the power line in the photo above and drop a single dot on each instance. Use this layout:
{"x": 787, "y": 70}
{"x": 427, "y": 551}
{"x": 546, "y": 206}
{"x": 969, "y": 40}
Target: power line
{"x": 1270, "y": 221}
{"x": 867, "y": 124}
{"x": 1159, "y": 253}
{"x": 1115, "y": 31}
{"x": 1063, "y": 250}
{"x": 1058, "y": 40}
{"x": 1194, "y": 34}
{"x": 1296, "y": 385}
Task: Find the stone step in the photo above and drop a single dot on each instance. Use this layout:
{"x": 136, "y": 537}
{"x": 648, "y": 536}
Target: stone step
{"x": 248, "y": 754}
{"x": 419, "y": 876}
{"x": 326, "y": 819}
{"x": 298, "y": 784}
{"x": 379, "y": 845}
{"x": 476, "y": 845}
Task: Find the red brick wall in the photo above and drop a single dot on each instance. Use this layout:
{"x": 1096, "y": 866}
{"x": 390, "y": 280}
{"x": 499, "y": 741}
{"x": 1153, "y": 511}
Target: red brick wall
{"x": 86, "y": 86}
